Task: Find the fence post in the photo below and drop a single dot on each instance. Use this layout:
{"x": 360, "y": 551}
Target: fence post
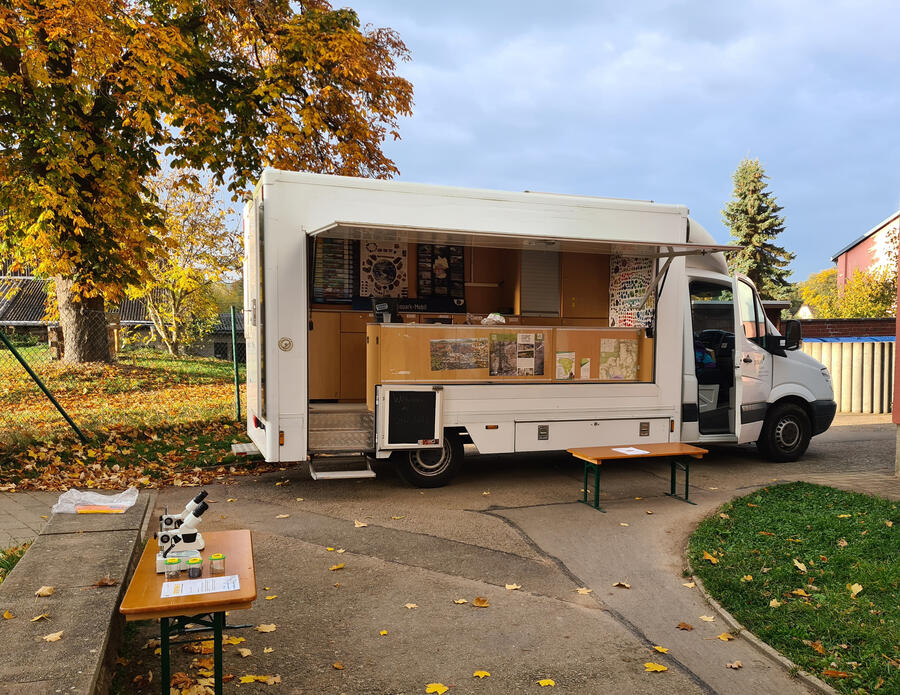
{"x": 234, "y": 361}
{"x": 37, "y": 380}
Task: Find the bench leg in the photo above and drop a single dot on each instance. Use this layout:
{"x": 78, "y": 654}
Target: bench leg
{"x": 218, "y": 625}
{"x": 685, "y": 465}
{"x": 164, "y": 669}
{"x": 584, "y": 498}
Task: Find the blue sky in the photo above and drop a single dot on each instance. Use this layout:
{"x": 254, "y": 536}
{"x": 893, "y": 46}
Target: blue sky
{"x": 660, "y": 100}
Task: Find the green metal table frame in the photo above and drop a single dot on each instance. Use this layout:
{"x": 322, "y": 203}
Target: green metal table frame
{"x": 676, "y": 463}
{"x": 180, "y": 626}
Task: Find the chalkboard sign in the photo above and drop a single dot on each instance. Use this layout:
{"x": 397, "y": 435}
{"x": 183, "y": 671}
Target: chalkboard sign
{"x": 411, "y": 416}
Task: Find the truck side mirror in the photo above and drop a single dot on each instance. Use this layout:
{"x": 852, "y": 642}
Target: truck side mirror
{"x": 792, "y": 335}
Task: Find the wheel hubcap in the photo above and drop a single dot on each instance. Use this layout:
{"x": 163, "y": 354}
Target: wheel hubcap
{"x": 430, "y": 462}
{"x": 787, "y": 433}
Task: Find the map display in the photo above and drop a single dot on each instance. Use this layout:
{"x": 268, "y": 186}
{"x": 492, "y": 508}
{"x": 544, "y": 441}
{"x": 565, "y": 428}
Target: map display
{"x": 620, "y": 363}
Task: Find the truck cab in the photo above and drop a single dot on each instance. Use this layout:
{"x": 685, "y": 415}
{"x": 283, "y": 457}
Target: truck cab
{"x": 744, "y": 381}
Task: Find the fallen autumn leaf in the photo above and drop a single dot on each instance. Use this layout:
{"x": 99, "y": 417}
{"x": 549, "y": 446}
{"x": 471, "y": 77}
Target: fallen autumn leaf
{"x": 651, "y": 667}
{"x": 53, "y": 636}
{"x": 44, "y": 591}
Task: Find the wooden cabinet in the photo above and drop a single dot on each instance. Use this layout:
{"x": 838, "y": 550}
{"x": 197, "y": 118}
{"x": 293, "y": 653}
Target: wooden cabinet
{"x": 585, "y": 286}
{"x": 337, "y": 355}
{"x": 324, "y": 354}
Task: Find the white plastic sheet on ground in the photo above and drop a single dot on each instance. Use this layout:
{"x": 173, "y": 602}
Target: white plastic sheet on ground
{"x": 70, "y": 499}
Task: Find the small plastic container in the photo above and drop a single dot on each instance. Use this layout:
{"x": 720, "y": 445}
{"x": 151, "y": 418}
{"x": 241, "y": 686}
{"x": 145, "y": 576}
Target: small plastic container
{"x": 173, "y": 568}
{"x": 195, "y": 567}
{"x": 217, "y": 563}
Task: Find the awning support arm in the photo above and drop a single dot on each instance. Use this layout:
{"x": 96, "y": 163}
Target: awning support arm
{"x": 658, "y": 276}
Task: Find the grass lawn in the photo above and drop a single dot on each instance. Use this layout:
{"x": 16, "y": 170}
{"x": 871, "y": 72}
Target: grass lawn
{"x": 9, "y": 557}
{"x": 190, "y": 453}
{"x": 145, "y": 388}
{"x": 815, "y": 573}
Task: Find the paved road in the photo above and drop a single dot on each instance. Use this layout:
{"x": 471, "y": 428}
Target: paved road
{"x": 503, "y": 521}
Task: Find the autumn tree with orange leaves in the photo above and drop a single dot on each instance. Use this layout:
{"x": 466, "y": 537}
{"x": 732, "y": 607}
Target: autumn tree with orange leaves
{"x": 96, "y": 97}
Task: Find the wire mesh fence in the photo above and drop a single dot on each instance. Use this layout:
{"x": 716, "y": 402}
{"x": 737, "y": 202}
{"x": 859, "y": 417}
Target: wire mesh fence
{"x": 132, "y": 382}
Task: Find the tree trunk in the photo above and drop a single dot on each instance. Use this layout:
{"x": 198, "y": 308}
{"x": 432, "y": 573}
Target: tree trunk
{"x": 83, "y": 326}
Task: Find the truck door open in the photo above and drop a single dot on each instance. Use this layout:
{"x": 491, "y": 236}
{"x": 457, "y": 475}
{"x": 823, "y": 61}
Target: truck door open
{"x": 753, "y": 362}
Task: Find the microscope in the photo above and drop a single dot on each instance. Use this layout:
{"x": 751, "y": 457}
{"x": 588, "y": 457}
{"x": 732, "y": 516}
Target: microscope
{"x": 178, "y": 535}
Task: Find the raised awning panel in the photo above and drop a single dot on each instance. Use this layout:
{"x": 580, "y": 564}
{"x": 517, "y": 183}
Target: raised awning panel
{"x": 508, "y": 240}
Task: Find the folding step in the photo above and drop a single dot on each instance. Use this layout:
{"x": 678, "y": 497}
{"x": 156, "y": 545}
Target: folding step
{"x": 340, "y": 468}
{"x": 248, "y": 449}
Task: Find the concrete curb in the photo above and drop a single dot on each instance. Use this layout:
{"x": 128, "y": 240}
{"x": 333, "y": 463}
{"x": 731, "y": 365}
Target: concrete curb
{"x": 70, "y": 554}
{"x": 763, "y": 648}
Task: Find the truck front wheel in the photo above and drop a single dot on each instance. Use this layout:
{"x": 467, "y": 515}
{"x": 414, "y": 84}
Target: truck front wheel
{"x": 432, "y": 467}
{"x": 785, "y": 434}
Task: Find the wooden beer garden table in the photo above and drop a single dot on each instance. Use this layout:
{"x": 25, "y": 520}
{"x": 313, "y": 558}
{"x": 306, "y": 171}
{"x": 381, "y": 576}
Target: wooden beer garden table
{"x": 206, "y": 612}
{"x": 679, "y": 456}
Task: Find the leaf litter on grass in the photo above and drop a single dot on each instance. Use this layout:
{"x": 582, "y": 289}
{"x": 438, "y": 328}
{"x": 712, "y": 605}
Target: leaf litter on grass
{"x": 835, "y": 609}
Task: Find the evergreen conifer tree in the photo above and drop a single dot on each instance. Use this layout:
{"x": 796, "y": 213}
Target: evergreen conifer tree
{"x": 752, "y": 216}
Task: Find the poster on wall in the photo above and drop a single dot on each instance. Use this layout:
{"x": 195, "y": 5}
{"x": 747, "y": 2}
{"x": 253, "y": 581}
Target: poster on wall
{"x": 440, "y": 271}
{"x": 459, "y": 353}
{"x": 629, "y": 278}
{"x": 503, "y": 354}
{"x": 565, "y": 365}
{"x": 618, "y": 360}
{"x": 585, "y": 370}
{"x": 382, "y": 269}
{"x": 525, "y": 354}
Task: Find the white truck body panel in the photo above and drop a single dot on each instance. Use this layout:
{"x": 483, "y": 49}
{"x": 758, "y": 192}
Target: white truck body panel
{"x": 288, "y": 207}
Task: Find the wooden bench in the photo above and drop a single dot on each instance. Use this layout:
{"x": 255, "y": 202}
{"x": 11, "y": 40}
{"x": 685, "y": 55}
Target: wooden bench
{"x": 679, "y": 456}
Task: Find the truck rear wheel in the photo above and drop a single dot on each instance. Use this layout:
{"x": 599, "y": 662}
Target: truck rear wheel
{"x": 785, "y": 434}
{"x": 432, "y": 467}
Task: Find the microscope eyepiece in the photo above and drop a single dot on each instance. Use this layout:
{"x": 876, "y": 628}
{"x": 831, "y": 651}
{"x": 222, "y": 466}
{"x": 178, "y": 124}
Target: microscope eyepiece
{"x": 201, "y": 496}
{"x": 200, "y": 508}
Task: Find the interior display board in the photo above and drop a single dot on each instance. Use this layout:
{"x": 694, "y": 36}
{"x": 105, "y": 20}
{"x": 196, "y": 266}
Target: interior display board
{"x": 629, "y": 278}
{"x": 445, "y": 354}
{"x": 383, "y": 269}
{"x": 440, "y": 272}
{"x": 333, "y": 271}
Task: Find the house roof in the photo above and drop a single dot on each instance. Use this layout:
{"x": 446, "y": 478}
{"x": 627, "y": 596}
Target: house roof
{"x": 224, "y": 325}
{"x": 865, "y": 236}
{"x": 23, "y": 301}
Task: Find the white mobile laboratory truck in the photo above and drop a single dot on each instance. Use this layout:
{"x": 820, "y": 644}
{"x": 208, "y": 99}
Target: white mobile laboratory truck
{"x": 365, "y": 306}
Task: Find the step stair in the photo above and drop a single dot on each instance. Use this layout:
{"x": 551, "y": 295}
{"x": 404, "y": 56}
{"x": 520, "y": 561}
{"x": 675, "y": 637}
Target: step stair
{"x": 340, "y": 467}
{"x": 339, "y": 428}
